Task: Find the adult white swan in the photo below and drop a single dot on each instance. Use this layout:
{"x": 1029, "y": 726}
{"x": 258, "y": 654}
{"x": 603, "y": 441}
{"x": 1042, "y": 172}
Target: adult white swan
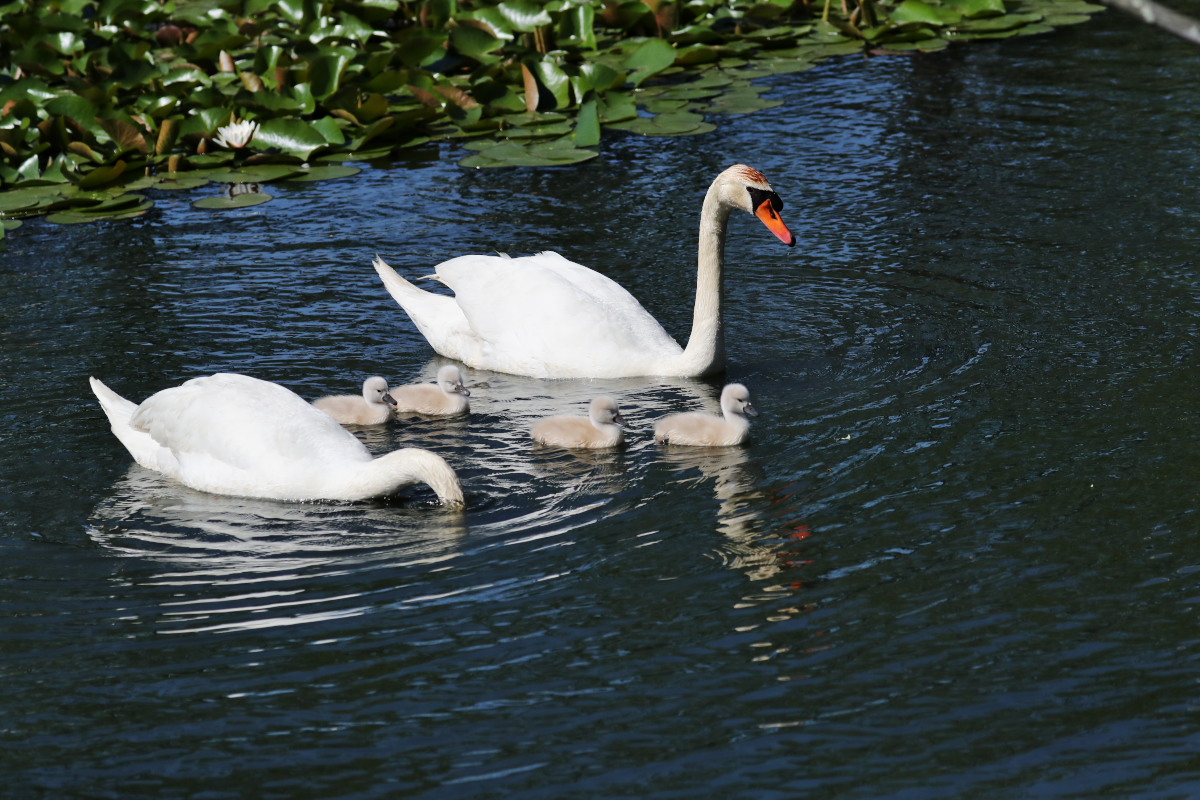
{"x": 237, "y": 435}
{"x": 548, "y": 317}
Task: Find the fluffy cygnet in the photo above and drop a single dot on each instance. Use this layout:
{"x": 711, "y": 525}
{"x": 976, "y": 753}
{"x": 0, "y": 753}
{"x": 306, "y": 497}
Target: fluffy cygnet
{"x": 373, "y": 407}
{"x": 446, "y": 398}
{"x": 601, "y": 428}
{"x": 702, "y": 429}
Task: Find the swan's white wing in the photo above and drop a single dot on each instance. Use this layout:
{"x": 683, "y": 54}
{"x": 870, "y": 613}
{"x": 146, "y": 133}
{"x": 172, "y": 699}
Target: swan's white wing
{"x": 252, "y": 426}
{"x": 544, "y": 314}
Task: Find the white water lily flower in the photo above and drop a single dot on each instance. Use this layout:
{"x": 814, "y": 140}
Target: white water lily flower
{"x": 237, "y": 134}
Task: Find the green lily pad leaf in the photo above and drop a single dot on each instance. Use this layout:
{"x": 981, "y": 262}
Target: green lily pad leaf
{"x": 997, "y": 24}
{"x": 975, "y": 9}
{"x": 1060, "y": 20}
{"x": 562, "y": 155}
{"x": 102, "y": 175}
{"x": 616, "y": 107}
{"x": 783, "y": 66}
{"x": 31, "y": 198}
{"x": 174, "y": 181}
{"x": 523, "y": 15}
{"x": 918, "y": 11}
{"x": 292, "y": 136}
{"x": 690, "y": 93}
{"x": 325, "y": 75}
{"x": 323, "y": 172}
{"x": 698, "y": 54}
{"x": 476, "y": 43}
{"x": 658, "y": 105}
{"x": 587, "y": 125}
{"x": 650, "y": 58}
{"x": 666, "y": 125}
{"x": 481, "y": 162}
{"x": 125, "y": 207}
{"x": 236, "y": 201}
{"x": 540, "y": 132}
{"x": 742, "y": 103}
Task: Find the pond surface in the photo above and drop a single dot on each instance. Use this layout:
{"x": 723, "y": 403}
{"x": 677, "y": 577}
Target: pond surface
{"x": 958, "y": 558}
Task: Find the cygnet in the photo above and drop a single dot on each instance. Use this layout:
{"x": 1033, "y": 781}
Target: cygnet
{"x": 373, "y": 407}
{"x": 446, "y": 398}
{"x": 709, "y": 430}
{"x": 601, "y": 428}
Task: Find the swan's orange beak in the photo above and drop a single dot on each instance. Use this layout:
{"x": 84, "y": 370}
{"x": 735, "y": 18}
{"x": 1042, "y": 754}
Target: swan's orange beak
{"x": 770, "y": 217}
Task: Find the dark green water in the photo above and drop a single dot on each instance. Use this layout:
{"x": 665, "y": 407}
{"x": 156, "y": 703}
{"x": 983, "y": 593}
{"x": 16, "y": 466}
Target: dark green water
{"x": 958, "y": 560}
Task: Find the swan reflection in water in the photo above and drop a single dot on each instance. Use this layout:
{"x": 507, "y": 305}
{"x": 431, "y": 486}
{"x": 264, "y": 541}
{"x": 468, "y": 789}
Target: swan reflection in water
{"x": 226, "y": 563}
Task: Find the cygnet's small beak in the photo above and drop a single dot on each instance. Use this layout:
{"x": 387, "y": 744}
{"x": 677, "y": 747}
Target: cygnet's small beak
{"x": 770, "y": 217}
{"x": 750, "y": 410}
{"x": 464, "y": 391}
{"x": 387, "y": 398}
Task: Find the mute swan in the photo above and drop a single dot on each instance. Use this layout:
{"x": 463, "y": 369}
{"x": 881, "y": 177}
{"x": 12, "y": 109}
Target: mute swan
{"x": 699, "y": 428}
{"x": 447, "y": 398}
{"x": 237, "y": 435}
{"x": 372, "y": 407}
{"x": 600, "y": 428}
{"x": 547, "y": 317}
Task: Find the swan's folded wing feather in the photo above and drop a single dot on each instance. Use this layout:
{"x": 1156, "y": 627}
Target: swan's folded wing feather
{"x": 245, "y": 423}
{"x": 551, "y": 309}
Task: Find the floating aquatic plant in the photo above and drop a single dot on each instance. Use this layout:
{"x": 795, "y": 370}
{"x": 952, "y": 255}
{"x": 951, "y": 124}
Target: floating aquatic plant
{"x": 103, "y": 101}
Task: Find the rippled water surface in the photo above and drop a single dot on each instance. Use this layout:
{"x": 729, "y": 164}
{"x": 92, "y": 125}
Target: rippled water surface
{"x": 957, "y": 560}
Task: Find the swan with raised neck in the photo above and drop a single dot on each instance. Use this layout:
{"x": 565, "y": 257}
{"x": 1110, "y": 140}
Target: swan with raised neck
{"x": 545, "y": 316}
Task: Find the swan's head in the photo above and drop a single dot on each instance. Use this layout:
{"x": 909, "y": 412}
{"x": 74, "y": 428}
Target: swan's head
{"x": 735, "y": 399}
{"x": 375, "y": 391}
{"x": 450, "y": 380}
{"x": 603, "y": 411}
{"x": 746, "y": 188}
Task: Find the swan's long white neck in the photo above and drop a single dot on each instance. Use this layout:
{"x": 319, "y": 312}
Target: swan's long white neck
{"x": 705, "y": 351}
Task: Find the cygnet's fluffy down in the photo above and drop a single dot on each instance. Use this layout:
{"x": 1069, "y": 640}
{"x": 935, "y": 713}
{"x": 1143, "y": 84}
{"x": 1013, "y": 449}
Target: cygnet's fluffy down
{"x": 373, "y": 407}
{"x": 446, "y": 398}
{"x": 709, "y": 430}
{"x": 601, "y": 428}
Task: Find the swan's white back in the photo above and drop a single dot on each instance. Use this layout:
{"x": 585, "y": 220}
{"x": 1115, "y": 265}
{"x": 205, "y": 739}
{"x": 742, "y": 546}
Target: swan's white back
{"x": 372, "y": 407}
{"x": 698, "y": 428}
{"x": 237, "y": 435}
{"x": 546, "y": 316}
{"x": 446, "y": 398}
{"x": 601, "y": 428}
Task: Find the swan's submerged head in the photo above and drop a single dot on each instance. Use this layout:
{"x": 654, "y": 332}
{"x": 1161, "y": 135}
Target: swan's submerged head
{"x": 450, "y": 379}
{"x": 746, "y": 188}
{"x": 603, "y": 411}
{"x": 375, "y": 391}
{"x": 735, "y": 400}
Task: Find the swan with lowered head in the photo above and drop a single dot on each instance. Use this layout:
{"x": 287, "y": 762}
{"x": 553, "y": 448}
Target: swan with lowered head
{"x": 600, "y": 428}
{"x": 446, "y": 398}
{"x": 372, "y": 407}
{"x": 548, "y": 317}
{"x": 709, "y": 430}
{"x": 237, "y": 435}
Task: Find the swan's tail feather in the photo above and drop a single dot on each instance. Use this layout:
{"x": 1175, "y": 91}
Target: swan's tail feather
{"x": 116, "y": 408}
{"x": 399, "y": 288}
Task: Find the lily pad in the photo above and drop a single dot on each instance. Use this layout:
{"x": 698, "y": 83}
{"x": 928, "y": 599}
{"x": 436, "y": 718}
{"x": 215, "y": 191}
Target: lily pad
{"x": 122, "y": 207}
{"x": 223, "y": 202}
{"x": 323, "y": 172}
